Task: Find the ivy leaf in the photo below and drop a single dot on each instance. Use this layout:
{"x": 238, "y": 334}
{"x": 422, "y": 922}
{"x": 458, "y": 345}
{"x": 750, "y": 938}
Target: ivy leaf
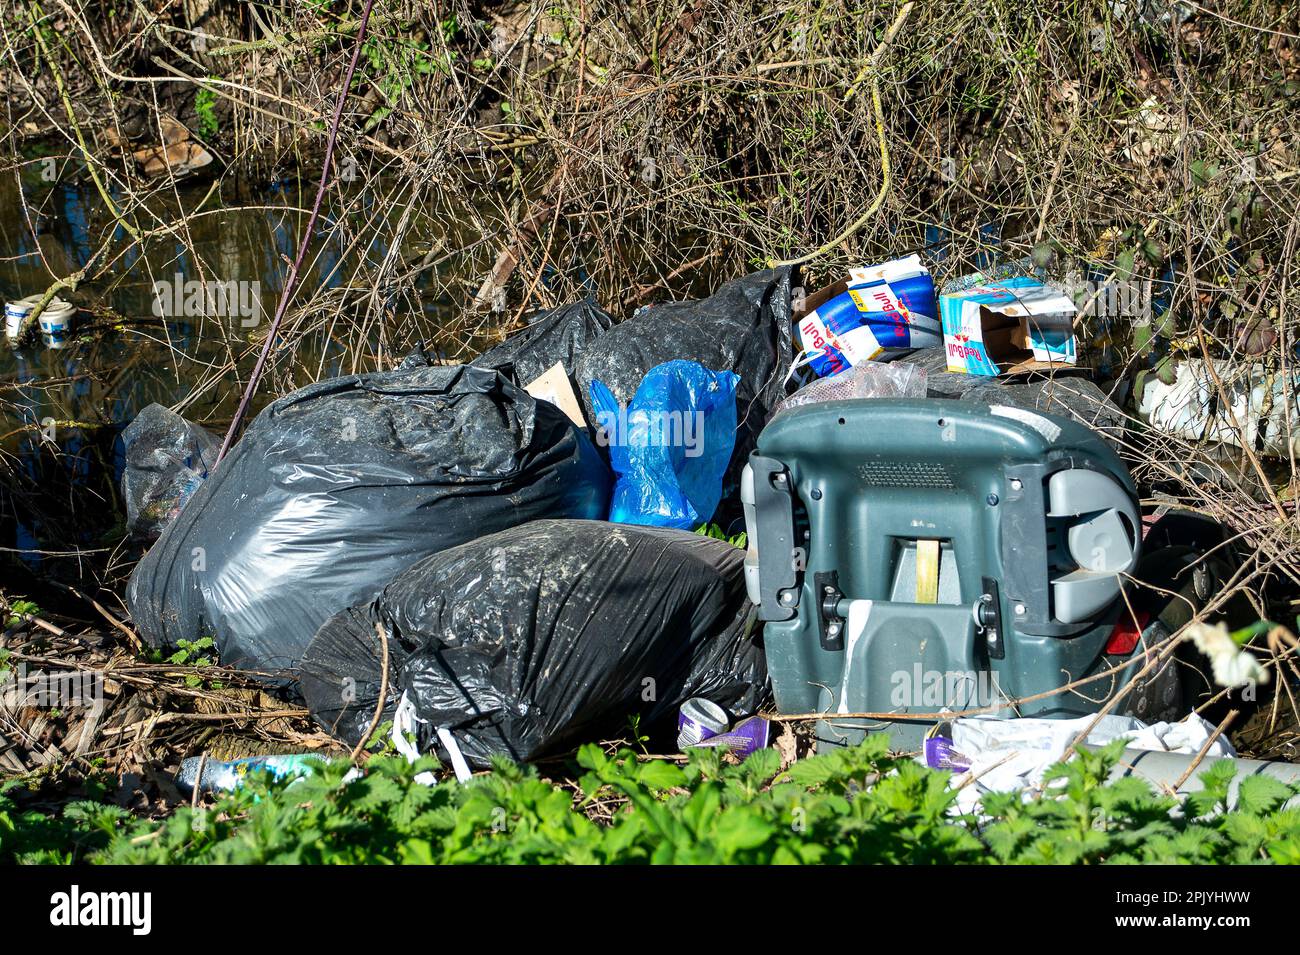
{"x": 1125, "y": 263}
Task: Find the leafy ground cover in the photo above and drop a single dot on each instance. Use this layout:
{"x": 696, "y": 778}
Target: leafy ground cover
{"x": 860, "y": 805}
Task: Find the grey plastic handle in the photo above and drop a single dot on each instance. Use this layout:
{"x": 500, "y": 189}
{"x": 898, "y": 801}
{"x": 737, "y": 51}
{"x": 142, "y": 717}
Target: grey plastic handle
{"x": 1103, "y": 542}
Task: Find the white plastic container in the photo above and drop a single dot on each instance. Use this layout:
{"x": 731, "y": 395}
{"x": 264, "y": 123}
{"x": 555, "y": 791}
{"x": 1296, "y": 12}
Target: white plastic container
{"x": 16, "y": 314}
{"x": 56, "y": 323}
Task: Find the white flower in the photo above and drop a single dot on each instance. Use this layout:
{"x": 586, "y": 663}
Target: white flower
{"x": 1232, "y": 665}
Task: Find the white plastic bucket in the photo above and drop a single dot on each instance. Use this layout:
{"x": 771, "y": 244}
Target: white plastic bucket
{"x": 56, "y": 323}
{"x": 16, "y": 315}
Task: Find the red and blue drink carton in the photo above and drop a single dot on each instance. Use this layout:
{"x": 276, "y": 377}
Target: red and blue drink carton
{"x": 878, "y": 312}
{"x": 1009, "y": 326}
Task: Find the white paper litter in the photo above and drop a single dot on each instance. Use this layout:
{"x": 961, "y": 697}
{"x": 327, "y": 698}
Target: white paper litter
{"x": 1008, "y": 755}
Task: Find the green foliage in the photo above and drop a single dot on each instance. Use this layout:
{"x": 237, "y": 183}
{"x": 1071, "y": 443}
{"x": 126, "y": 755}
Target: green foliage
{"x": 858, "y": 805}
{"x": 31, "y": 837}
{"x": 20, "y": 609}
{"x": 193, "y": 653}
{"x": 205, "y": 103}
{"x": 396, "y": 62}
{"x": 740, "y": 540}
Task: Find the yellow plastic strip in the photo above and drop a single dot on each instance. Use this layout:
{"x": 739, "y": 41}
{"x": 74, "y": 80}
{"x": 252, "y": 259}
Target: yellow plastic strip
{"x": 927, "y": 571}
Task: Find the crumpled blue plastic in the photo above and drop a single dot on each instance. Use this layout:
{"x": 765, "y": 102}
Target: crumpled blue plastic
{"x": 670, "y": 446}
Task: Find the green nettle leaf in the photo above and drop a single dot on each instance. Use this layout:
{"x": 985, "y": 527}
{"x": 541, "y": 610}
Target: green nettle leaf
{"x": 1143, "y": 336}
{"x": 1263, "y": 794}
{"x": 857, "y": 805}
{"x": 658, "y": 774}
{"x": 1166, "y": 371}
{"x": 1216, "y": 781}
{"x": 741, "y": 829}
{"x": 1284, "y": 852}
{"x": 761, "y": 765}
{"x": 812, "y": 771}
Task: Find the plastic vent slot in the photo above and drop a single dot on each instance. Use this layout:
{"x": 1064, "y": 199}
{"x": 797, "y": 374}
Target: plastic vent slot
{"x": 906, "y": 474}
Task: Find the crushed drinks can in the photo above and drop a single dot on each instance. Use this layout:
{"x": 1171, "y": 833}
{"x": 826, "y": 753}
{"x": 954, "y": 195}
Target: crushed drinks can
{"x": 744, "y": 738}
{"x": 939, "y": 752}
{"x": 699, "y": 719}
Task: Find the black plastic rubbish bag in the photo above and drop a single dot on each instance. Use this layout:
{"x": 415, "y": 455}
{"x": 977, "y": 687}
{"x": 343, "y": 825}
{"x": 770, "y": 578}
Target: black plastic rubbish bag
{"x": 1072, "y": 396}
{"x": 336, "y": 488}
{"x": 560, "y": 335}
{"x": 535, "y": 639}
{"x": 744, "y": 327}
{"x": 1069, "y": 394}
{"x": 167, "y": 458}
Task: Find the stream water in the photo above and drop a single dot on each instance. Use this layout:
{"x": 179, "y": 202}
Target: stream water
{"x": 62, "y": 410}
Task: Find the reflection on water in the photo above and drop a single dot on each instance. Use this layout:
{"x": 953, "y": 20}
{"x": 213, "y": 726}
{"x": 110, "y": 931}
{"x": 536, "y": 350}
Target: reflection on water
{"x": 62, "y": 411}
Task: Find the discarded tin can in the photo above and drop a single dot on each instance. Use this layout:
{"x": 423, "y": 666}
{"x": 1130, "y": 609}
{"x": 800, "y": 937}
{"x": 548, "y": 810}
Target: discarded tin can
{"x": 699, "y": 719}
{"x": 745, "y": 737}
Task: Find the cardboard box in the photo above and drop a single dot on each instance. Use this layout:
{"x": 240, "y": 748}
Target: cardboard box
{"x": 553, "y": 385}
{"x": 1006, "y": 327}
{"x": 877, "y": 309}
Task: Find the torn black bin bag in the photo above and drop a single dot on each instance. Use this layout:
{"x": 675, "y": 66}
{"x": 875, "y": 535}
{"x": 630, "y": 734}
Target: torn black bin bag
{"x": 536, "y": 639}
{"x": 560, "y": 335}
{"x": 744, "y": 327}
{"x": 337, "y": 487}
{"x": 167, "y": 458}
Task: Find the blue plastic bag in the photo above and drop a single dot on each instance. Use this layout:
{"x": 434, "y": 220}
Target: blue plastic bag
{"x": 670, "y": 446}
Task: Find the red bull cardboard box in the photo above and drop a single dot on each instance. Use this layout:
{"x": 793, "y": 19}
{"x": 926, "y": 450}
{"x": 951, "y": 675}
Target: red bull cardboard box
{"x": 878, "y": 311}
{"x": 1006, "y": 327}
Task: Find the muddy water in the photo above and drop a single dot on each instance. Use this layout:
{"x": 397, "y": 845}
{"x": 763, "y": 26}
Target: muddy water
{"x": 62, "y": 411}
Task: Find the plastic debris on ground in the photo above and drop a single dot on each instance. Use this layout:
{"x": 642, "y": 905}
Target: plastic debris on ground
{"x": 1008, "y": 326}
{"x": 167, "y": 458}
{"x": 338, "y": 487}
{"x": 536, "y": 639}
{"x": 744, "y": 327}
{"x": 866, "y": 379}
{"x": 219, "y": 776}
{"x": 1009, "y": 755}
{"x": 1261, "y": 409}
{"x": 670, "y": 446}
{"x": 876, "y": 311}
